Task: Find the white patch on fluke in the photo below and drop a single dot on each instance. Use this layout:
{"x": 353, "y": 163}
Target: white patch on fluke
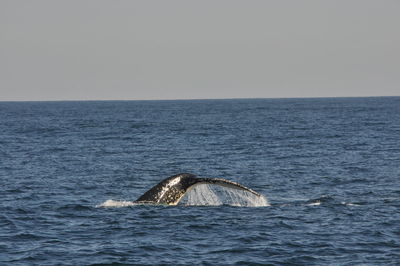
{"x": 168, "y": 186}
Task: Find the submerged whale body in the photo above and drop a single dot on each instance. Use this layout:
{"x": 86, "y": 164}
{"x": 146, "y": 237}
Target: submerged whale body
{"x": 171, "y": 190}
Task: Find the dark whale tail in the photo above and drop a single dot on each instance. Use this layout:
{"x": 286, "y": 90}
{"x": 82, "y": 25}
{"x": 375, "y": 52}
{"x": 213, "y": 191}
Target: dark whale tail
{"x": 171, "y": 190}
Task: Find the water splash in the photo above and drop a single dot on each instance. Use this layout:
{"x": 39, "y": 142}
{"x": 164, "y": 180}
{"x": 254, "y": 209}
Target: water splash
{"x": 214, "y": 195}
{"x": 115, "y": 203}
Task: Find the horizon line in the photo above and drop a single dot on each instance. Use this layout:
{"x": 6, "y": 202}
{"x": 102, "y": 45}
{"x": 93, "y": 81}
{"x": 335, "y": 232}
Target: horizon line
{"x": 203, "y": 99}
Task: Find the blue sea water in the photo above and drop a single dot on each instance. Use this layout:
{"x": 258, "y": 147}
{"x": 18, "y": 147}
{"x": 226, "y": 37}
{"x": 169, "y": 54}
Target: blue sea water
{"x": 329, "y": 167}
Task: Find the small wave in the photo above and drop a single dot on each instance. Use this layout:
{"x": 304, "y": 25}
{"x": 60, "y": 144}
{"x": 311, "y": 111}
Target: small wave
{"x": 321, "y": 200}
{"x": 74, "y": 207}
{"x": 328, "y": 200}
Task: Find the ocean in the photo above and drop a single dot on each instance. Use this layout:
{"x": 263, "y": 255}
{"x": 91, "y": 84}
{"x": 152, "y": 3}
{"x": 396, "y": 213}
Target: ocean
{"x": 328, "y": 167}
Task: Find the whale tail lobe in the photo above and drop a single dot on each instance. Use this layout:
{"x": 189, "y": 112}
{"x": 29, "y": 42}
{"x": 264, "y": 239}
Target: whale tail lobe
{"x": 227, "y": 183}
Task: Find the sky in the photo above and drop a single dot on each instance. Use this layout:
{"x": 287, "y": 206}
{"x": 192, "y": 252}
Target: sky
{"x": 187, "y": 49}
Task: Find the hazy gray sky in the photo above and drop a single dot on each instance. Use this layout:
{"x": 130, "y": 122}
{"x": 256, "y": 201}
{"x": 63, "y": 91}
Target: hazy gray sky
{"x": 169, "y": 49}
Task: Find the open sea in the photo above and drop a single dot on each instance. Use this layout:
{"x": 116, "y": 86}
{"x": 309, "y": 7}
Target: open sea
{"x": 329, "y": 168}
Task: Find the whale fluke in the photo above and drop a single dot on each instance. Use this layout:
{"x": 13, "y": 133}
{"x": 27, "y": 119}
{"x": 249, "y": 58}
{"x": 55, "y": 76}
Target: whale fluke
{"x": 171, "y": 190}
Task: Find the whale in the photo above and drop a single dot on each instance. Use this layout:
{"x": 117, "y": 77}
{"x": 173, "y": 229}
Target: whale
{"x": 172, "y": 189}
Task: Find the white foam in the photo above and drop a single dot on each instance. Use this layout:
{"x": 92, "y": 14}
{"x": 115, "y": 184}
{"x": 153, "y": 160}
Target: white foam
{"x": 314, "y": 203}
{"x": 214, "y": 195}
{"x": 349, "y": 204}
{"x": 114, "y": 203}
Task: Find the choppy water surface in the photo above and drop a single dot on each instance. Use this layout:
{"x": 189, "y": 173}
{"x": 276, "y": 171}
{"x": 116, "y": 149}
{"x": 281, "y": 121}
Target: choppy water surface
{"x": 329, "y": 168}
